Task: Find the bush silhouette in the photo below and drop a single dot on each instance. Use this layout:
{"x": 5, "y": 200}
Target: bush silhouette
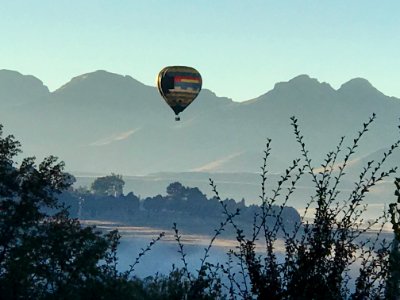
{"x": 318, "y": 255}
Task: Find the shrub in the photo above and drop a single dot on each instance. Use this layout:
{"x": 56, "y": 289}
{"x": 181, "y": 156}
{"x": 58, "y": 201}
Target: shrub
{"x": 318, "y": 255}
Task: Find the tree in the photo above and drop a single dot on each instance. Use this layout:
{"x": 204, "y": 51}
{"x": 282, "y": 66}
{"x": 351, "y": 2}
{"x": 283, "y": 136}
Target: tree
{"x": 133, "y": 201}
{"x": 111, "y": 185}
{"x": 156, "y": 203}
{"x": 197, "y": 201}
{"x": 393, "y": 281}
{"x": 43, "y": 252}
{"x": 176, "y": 191}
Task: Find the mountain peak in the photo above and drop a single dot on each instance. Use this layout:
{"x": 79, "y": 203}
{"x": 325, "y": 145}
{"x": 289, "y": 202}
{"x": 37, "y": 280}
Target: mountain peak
{"x": 102, "y": 75}
{"x": 303, "y": 83}
{"x": 100, "y": 80}
{"x": 306, "y": 80}
{"x": 9, "y": 73}
{"x": 17, "y": 89}
{"x": 359, "y": 83}
{"x": 303, "y": 78}
{"x": 13, "y": 77}
{"x": 359, "y": 86}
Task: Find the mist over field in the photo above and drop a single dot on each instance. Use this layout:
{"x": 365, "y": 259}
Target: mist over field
{"x": 164, "y": 254}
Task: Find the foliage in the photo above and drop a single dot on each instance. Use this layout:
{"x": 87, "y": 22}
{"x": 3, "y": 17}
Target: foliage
{"x": 320, "y": 257}
{"x": 187, "y": 206}
{"x": 93, "y": 206}
{"x": 393, "y": 281}
{"x": 111, "y": 185}
{"x": 44, "y": 254}
{"x": 41, "y": 254}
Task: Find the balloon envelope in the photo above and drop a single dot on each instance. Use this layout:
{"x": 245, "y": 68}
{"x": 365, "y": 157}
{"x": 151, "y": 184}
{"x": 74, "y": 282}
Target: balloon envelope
{"x": 179, "y": 86}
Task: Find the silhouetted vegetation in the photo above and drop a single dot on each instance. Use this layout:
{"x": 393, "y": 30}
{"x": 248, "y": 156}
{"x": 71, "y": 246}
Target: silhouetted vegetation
{"x": 42, "y": 254}
{"x": 187, "y": 206}
{"x": 318, "y": 256}
{"x": 112, "y": 185}
{"x": 45, "y": 254}
{"x": 393, "y": 280}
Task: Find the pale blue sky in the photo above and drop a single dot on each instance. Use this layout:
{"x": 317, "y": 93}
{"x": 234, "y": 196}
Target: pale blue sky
{"x": 242, "y": 48}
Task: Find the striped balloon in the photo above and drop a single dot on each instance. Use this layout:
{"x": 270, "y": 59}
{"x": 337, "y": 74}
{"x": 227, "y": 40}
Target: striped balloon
{"x": 179, "y": 86}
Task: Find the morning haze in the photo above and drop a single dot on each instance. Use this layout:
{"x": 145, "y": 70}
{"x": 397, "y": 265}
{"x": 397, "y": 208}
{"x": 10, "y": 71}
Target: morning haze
{"x": 116, "y": 123}
{"x": 102, "y": 122}
{"x": 278, "y": 182}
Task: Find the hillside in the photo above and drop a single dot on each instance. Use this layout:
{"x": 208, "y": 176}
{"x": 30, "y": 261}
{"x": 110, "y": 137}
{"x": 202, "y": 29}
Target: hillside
{"x": 103, "y": 122}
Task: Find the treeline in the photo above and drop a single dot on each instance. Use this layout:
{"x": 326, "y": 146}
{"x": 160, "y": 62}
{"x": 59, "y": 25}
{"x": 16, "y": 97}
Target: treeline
{"x": 186, "y": 206}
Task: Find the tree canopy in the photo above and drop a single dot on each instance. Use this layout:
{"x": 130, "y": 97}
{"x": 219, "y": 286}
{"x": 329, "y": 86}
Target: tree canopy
{"x": 111, "y": 185}
{"x": 43, "y": 252}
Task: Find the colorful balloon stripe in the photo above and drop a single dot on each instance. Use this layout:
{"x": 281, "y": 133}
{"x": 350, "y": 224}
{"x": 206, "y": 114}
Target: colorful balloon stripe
{"x": 179, "y": 86}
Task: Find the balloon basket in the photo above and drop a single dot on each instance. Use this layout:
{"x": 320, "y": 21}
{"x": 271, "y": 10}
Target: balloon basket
{"x": 177, "y": 118}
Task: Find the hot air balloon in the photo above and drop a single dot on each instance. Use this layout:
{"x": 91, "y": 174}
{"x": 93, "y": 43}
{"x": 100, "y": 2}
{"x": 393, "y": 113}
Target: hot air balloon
{"x": 179, "y": 86}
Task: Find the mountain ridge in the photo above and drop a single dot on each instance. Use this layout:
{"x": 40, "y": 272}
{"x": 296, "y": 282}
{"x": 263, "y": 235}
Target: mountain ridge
{"x": 103, "y": 122}
{"x": 17, "y": 89}
{"x": 107, "y": 75}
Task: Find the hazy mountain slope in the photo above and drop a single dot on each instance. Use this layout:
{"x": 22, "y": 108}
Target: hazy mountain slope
{"x": 104, "y": 122}
{"x": 17, "y": 89}
{"x": 357, "y": 165}
{"x": 324, "y": 114}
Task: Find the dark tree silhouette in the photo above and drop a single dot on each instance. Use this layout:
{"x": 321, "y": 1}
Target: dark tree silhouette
{"x": 111, "y": 185}
{"x": 41, "y": 253}
{"x": 393, "y": 281}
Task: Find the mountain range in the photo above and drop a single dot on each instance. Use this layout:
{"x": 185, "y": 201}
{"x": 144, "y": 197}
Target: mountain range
{"x": 102, "y": 122}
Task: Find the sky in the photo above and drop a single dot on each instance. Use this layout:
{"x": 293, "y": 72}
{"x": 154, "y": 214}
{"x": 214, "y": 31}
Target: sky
{"x": 241, "y": 48}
